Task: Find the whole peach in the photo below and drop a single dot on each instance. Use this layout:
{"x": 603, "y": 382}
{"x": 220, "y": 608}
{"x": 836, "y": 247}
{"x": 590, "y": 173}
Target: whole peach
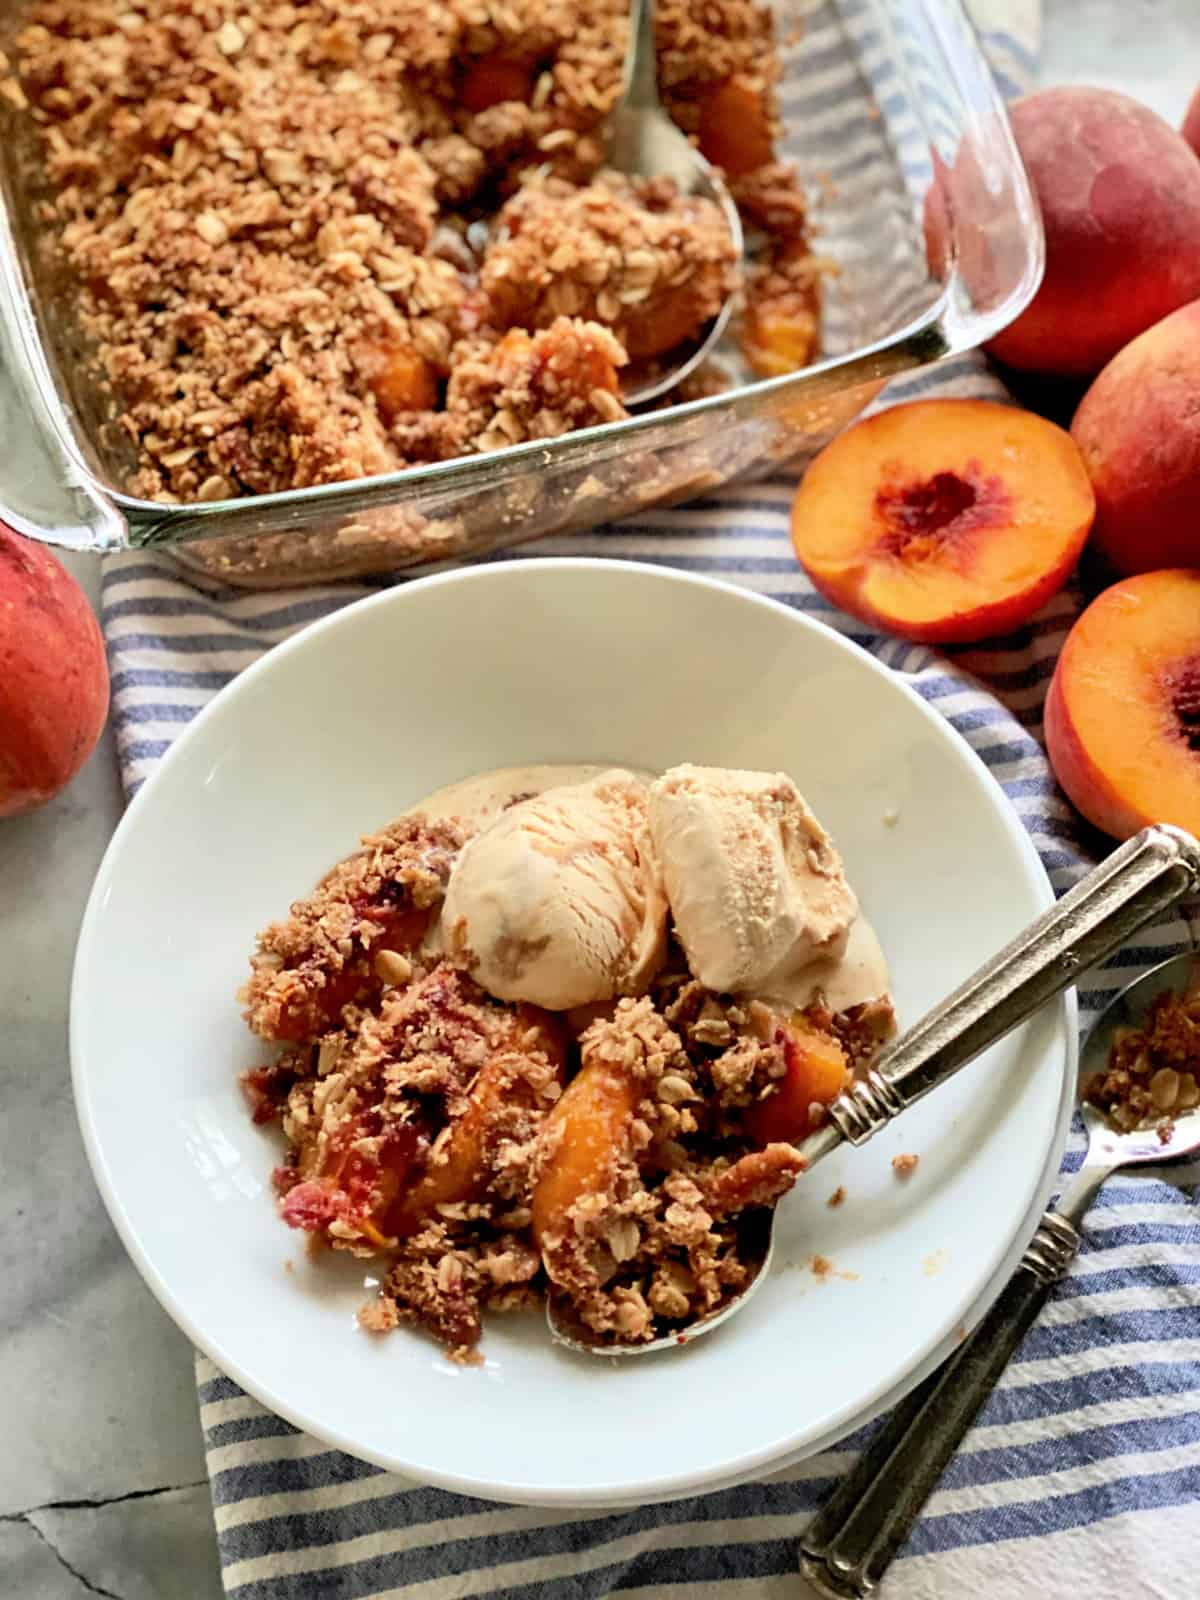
{"x": 53, "y": 677}
{"x": 1191, "y": 123}
{"x": 1138, "y": 431}
{"x": 1120, "y": 198}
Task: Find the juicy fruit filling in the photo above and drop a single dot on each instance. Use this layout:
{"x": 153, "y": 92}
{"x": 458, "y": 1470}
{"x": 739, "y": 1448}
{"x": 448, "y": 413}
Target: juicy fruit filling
{"x": 494, "y": 1152}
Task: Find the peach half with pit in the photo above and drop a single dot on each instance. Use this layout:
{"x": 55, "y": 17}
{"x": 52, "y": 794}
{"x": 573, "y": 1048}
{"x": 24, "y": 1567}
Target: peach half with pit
{"x": 1123, "y": 712}
{"x": 943, "y": 521}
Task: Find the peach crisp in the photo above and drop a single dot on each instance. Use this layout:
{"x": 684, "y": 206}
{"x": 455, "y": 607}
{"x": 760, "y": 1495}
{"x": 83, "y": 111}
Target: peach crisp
{"x": 499, "y": 1071}
{"x": 301, "y": 238}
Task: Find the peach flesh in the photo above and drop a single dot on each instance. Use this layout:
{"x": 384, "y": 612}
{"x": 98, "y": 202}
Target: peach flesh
{"x": 921, "y": 513}
{"x": 1123, "y": 712}
{"x": 1182, "y": 686}
{"x": 943, "y": 521}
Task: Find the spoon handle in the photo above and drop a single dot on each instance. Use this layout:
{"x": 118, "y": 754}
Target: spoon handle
{"x": 856, "y": 1534}
{"x": 1136, "y": 883}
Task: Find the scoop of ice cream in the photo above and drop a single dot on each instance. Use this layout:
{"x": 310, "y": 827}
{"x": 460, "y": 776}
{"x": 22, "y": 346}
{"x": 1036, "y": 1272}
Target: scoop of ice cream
{"x": 754, "y": 883}
{"x": 559, "y": 900}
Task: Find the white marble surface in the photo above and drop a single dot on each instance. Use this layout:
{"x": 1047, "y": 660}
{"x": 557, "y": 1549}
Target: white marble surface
{"x": 102, "y": 1487}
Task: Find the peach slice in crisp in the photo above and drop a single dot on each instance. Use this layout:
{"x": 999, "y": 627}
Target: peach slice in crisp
{"x": 944, "y": 520}
{"x": 817, "y": 1072}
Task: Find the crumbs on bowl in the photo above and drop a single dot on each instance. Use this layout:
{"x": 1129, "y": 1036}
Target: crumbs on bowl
{"x": 837, "y": 1198}
{"x": 904, "y": 1165}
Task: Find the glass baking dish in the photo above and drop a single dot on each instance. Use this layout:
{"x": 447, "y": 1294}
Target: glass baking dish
{"x": 878, "y": 96}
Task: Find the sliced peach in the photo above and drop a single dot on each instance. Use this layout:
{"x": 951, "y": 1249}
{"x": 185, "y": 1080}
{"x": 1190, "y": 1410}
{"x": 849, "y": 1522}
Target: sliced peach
{"x": 674, "y": 316}
{"x": 594, "y": 1116}
{"x": 735, "y": 127}
{"x": 779, "y": 330}
{"x": 458, "y": 1171}
{"x": 779, "y": 340}
{"x": 1123, "y": 713}
{"x": 493, "y": 80}
{"x": 944, "y": 520}
{"x": 817, "y": 1072}
{"x": 399, "y": 377}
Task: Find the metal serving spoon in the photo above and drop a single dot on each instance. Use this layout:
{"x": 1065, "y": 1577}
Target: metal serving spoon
{"x": 1137, "y": 882}
{"x": 855, "y": 1536}
{"x": 645, "y": 143}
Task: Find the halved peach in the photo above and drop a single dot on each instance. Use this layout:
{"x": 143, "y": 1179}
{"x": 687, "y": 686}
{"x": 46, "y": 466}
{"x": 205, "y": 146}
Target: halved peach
{"x": 1123, "y": 713}
{"x": 594, "y": 1116}
{"x": 944, "y": 520}
{"x": 817, "y": 1072}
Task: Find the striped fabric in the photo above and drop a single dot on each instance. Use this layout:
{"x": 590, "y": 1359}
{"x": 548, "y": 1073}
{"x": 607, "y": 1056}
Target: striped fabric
{"x": 1083, "y": 1474}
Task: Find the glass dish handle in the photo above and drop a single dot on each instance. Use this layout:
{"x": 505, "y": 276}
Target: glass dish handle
{"x": 46, "y": 491}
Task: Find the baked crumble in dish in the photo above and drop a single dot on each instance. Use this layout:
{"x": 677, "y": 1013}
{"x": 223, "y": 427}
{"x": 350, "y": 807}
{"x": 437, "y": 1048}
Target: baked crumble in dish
{"x": 1153, "y": 1072}
{"x": 316, "y": 242}
{"x": 557, "y": 1032}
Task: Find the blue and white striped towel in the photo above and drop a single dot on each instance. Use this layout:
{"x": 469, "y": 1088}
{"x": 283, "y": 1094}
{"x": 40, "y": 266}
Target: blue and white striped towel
{"x": 1083, "y": 1473}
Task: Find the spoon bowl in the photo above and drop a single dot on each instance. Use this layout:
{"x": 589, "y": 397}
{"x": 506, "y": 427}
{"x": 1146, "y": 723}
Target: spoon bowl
{"x": 1137, "y": 883}
{"x": 645, "y": 143}
{"x": 854, "y": 1538}
{"x": 1109, "y": 1149}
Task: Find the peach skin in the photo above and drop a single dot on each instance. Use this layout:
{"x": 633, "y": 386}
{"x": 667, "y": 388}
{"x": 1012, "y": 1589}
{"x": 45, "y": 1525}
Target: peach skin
{"x": 1120, "y": 197}
{"x": 1138, "y": 431}
{"x": 1123, "y": 712}
{"x": 943, "y": 520}
{"x": 53, "y": 677}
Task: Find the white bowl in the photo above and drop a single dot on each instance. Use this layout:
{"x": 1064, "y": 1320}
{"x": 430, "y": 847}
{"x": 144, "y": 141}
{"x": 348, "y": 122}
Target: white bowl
{"x": 343, "y": 727}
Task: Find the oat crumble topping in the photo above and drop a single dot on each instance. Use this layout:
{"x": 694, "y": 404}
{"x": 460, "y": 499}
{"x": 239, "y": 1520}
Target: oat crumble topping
{"x": 277, "y": 215}
{"x": 493, "y": 1153}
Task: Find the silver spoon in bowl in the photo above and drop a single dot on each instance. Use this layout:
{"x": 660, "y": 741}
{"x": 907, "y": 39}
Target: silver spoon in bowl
{"x": 1136, "y": 884}
{"x": 853, "y": 1539}
{"x": 645, "y": 143}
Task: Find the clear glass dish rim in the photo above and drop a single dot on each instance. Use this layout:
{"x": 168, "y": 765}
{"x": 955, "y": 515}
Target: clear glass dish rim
{"x": 949, "y": 325}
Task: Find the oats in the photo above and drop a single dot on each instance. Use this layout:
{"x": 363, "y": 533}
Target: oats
{"x": 230, "y": 39}
{"x": 393, "y": 968}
